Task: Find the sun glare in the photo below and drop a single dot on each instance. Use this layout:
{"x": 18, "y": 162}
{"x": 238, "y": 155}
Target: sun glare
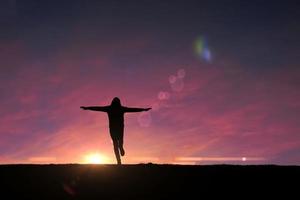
{"x": 94, "y": 158}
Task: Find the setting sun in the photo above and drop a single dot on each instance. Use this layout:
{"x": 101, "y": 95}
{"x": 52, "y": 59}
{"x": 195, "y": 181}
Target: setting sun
{"x": 95, "y": 158}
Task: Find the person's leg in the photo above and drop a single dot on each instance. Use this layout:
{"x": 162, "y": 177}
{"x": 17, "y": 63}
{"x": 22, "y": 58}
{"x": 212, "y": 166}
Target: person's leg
{"x": 116, "y": 150}
{"x": 122, "y": 151}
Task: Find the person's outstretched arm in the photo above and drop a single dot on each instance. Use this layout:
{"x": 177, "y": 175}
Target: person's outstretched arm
{"x": 95, "y": 108}
{"x": 126, "y": 109}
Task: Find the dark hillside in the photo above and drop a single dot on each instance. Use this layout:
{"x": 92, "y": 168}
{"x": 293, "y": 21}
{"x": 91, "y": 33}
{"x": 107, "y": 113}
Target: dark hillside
{"x": 147, "y": 181}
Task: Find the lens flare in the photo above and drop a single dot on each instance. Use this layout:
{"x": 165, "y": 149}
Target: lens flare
{"x": 178, "y": 85}
{"x": 207, "y": 55}
{"x": 199, "y": 45}
{"x": 163, "y": 95}
{"x": 172, "y": 79}
{"x": 202, "y": 50}
{"x": 181, "y": 73}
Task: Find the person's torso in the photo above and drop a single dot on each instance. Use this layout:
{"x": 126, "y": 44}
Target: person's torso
{"x": 116, "y": 117}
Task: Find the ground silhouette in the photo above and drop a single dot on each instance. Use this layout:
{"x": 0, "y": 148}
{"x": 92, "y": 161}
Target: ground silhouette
{"x": 115, "y": 112}
{"x": 147, "y": 181}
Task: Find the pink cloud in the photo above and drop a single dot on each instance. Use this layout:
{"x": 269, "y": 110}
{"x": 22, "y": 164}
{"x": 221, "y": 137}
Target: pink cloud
{"x": 221, "y": 110}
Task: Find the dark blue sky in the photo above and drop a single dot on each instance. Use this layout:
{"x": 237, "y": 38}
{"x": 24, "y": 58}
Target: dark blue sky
{"x": 260, "y": 33}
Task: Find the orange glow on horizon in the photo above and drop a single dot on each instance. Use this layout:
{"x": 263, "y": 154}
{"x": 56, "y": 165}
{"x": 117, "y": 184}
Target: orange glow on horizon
{"x": 95, "y": 158}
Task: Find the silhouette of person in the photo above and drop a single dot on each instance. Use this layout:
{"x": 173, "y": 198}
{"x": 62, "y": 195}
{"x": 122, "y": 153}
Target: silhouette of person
{"x": 116, "y": 113}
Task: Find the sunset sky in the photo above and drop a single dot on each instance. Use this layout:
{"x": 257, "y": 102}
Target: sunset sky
{"x": 222, "y": 78}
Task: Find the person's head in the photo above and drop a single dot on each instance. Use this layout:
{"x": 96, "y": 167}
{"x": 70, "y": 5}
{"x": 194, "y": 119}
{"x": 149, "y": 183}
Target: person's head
{"x": 116, "y": 102}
